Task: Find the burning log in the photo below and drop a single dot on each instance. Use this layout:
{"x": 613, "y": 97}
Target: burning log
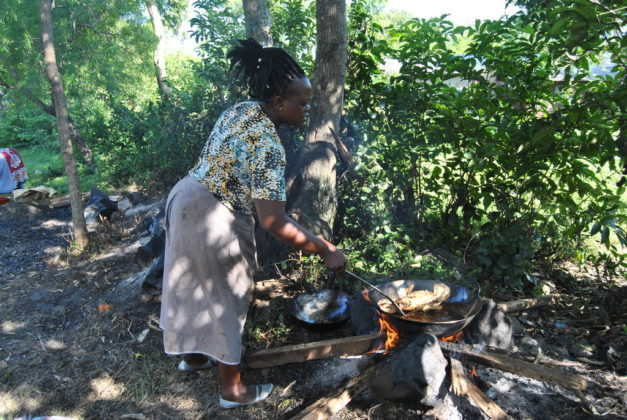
{"x": 511, "y": 364}
{"x": 462, "y": 386}
{"x": 523, "y": 304}
{"x": 327, "y": 406}
{"x": 310, "y": 351}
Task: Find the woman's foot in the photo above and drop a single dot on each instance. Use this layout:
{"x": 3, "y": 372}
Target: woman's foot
{"x": 245, "y": 395}
{"x": 234, "y": 393}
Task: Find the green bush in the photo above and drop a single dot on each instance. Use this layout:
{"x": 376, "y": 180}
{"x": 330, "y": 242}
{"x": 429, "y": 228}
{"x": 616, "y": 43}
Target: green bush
{"x": 508, "y": 170}
{"x": 22, "y": 127}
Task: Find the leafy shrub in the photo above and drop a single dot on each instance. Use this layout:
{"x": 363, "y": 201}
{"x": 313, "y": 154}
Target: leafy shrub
{"x": 26, "y": 127}
{"x": 507, "y": 168}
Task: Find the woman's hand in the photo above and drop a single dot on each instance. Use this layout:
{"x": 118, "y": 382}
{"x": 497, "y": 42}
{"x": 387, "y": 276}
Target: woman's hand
{"x": 334, "y": 260}
{"x": 273, "y": 219}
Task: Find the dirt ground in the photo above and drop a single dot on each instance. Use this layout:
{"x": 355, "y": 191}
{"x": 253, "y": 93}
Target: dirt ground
{"x": 79, "y": 338}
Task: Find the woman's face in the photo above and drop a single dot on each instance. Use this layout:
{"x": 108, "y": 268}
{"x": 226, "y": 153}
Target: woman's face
{"x": 293, "y": 108}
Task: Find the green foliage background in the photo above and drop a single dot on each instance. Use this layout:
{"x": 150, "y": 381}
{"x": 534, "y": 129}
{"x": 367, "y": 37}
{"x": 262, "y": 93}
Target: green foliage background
{"x": 492, "y": 143}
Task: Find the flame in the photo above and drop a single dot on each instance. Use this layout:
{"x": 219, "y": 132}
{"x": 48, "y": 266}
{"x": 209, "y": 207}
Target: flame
{"x": 387, "y": 329}
{"x": 390, "y": 331}
{"x": 453, "y": 338}
{"x": 473, "y": 371}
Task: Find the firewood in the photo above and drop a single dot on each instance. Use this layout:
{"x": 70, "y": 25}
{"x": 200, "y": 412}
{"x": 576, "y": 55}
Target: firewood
{"x": 509, "y": 363}
{"x": 462, "y": 386}
{"x": 310, "y": 351}
{"x": 458, "y": 377}
{"x": 65, "y": 200}
{"x": 327, "y": 406}
{"x": 522, "y": 304}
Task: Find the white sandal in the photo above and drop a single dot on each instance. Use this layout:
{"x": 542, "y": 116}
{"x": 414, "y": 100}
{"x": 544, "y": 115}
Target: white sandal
{"x": 261, "y": 393}
{"x": 186, "y": 367}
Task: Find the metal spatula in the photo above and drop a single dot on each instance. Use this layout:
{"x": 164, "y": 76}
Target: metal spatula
{"x": 377, "y": 289}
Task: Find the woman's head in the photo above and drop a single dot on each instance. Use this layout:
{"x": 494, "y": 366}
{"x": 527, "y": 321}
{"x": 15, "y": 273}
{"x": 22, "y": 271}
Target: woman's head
{"x": 274, "y": 78}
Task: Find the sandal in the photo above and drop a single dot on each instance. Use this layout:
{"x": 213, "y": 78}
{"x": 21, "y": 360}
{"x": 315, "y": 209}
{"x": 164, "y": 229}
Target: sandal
{"x": 261, "y": 393}
{"x": 186, "y": 367}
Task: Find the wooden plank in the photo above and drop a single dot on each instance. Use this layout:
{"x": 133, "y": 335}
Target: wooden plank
{"x": 328, "y": 406}
{"x": 512, "y": 364}
{"x": 523, "y": 304}
{"x": 65, "y": 200}
{"x": 310, "y": 351}
{"x": 462, "y": 386}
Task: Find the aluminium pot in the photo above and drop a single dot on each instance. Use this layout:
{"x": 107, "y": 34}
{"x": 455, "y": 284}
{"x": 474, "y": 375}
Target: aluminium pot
{"x": 323, "y": 310}
{"x": 455, "y": 314}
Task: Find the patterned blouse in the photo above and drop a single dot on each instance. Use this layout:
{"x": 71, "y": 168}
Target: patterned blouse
{"x": 243, "y": 159}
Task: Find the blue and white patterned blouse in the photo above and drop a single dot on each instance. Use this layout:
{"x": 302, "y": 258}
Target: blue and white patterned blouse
{"x": 243, "y": 159}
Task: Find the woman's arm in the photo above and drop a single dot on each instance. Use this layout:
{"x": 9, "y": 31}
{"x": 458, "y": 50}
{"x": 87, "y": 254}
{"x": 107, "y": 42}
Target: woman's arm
{"x": 273, "y": 219}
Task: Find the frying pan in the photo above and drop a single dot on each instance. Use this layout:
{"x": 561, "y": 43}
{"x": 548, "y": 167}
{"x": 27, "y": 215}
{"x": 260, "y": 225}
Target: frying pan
{"x": 455, "y": 314}
{"x": 325, "y": 309}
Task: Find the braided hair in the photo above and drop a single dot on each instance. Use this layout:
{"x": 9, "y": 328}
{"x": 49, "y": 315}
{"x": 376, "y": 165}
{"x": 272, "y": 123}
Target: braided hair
{"x": 266, "y": 71}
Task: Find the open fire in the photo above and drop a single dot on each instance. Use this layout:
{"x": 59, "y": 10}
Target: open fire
{"x": 392, "y": 334}
{"x": 453, "y": 338}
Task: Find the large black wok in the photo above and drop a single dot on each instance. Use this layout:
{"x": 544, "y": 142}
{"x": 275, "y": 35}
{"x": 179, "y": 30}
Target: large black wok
{"x": 455, "y": 314}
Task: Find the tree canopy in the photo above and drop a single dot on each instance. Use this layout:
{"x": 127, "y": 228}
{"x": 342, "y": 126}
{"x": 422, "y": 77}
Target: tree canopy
{"x": 503, "y": 143}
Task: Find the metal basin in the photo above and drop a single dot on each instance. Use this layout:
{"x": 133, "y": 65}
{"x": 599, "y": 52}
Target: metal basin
{"x": 325, "y": 309}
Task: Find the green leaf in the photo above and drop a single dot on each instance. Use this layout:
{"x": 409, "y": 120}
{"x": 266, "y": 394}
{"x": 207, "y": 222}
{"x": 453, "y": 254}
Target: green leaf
{"x": 559, "y": 25}
{"x": 605, "y": 236}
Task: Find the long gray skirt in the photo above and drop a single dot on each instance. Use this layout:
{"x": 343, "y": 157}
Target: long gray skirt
{"x": 207, "y": 279}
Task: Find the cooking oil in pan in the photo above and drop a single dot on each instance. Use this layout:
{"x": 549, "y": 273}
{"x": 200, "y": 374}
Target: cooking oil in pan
{"x": 451, "y": 311}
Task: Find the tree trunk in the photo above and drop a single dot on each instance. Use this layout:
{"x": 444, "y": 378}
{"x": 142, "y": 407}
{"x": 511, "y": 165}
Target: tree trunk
{"x": 63, "y": 127}
{"x": 314, "y": 182}
{"x": 258, "y": 26}
{"x": 257, "y": 18}
{"x": 159, "y": 54}
{"x": 83, "y": 147}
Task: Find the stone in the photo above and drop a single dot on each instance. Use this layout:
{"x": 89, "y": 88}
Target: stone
{"x": 416, "y": 372}
{"x": 582, "y": 349}
{"x": 529, "y": 345}
{"x": 491, "y": 327}
{"x": 363, "y": 315}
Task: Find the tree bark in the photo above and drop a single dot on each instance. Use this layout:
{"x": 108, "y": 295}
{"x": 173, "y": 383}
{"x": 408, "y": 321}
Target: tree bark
{"x": 258, "y": 26}
{"x": 159, "y": 54}
{"x": 52, "y": 73}
{"x": 257, "y": 17}
{"x": 315, "y": 179}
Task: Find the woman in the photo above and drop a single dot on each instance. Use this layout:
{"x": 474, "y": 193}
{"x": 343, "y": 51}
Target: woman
{"x": 210, "y": 246}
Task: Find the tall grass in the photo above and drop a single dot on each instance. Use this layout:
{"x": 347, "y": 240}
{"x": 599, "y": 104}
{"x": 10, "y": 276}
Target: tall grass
{"x": 44, "y": 164}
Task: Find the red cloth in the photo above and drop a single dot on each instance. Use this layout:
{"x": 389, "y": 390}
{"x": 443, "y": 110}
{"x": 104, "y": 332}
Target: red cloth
{"x": 16, "y": 165}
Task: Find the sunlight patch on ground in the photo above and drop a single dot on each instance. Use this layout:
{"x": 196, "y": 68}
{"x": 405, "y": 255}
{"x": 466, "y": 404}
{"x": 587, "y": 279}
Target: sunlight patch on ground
{"x": 52, "y": 250}
{"x": 55, "y": 345}
{"x": 8, "y": 404}
{"x": 23, "y": 398}
{"x": 183, "y": 404}
{"x": 9, "y": 327}
{"x": 105, "y": 388}
{"x": 51, "y": 224}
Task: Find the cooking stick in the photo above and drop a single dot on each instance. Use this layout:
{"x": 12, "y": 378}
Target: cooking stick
{"x": 377, "y": 289}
